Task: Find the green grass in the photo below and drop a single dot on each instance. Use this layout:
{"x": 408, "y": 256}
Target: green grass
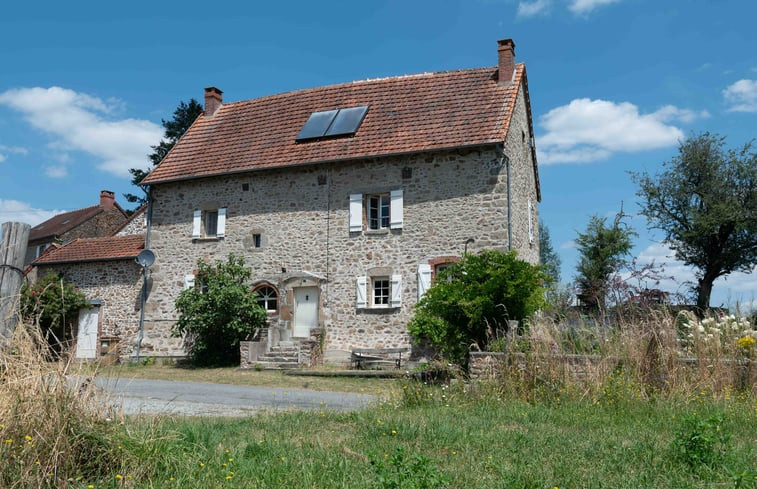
{"x": 236, "y": 376}
{"x": 468, "y": 437}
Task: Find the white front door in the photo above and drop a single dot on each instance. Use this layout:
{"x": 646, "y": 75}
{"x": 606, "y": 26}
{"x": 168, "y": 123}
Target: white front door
{"x": 305, "y": 311}
{"x": 86, "y": 338}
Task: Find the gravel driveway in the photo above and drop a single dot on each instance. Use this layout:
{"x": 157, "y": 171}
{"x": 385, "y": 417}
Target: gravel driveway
{"x": 139, "y": 396}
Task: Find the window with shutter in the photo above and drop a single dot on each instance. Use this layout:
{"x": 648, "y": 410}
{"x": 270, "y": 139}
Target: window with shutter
{"x": 189, "y": 281}
{"x": 424, "y": 279}
{"x": 362, "y": 285}
{"x": 356, "y": 212}
{"x": 396, "y": 209}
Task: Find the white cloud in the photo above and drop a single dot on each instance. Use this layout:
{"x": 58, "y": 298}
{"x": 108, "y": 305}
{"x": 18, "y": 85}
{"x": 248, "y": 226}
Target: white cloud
{"x": 78, "y": 122}
{"x": 4, "y": 150}
{"x": 588, "y": 130}
{"x": 58, "y": 171}
{"x": 585, "y": 7}
{"x": 532, "y": 8}
{"x": 737, "y": 287}
{"x": 14, "y": 210}
{"x": 742, "y": 96}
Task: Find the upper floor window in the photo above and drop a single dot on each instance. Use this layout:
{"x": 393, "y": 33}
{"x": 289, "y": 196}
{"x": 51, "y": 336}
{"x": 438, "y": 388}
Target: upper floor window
{"x": 376, "y": 211}
{"x": 209, "y": 223}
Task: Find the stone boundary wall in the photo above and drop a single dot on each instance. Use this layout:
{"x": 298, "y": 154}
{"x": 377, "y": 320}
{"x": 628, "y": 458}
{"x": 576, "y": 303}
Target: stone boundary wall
{"x": 488, "y": 365}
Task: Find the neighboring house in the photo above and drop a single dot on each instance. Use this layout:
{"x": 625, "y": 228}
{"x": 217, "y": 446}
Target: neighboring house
{"x": 90, "y": 222}
{"x": 135, "y": 224}
{"x": 345, "y": 200}
{"x": 105, "y": 271}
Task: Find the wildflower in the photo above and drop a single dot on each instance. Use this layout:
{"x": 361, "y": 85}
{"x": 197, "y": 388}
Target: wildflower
{"x": 119, "y": 477}
{"x": 90, "y": 486}
{"x": 283, "y": 459}
{"x": 9, "y": 441}
{"x": 745, "y": 342}
{"x": 231, "y": 460}
{"x": 28, "y": 438}
{"x": 394, "y": 432}
{"x": 170, "y": 478}
{"x": 228, "y": 477}
{"x": 202, "y": 465}
{"x": 37, "y": 462}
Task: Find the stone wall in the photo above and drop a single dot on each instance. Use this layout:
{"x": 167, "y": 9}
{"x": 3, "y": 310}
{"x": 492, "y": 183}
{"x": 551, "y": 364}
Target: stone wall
{"x": 302, "y": 217}
{"x": 114, "y": 285}
{"x": 136, "y": 225}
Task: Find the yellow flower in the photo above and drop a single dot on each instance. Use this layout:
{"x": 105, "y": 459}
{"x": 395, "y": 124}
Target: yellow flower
{"x": 37, "y": 463}
{"x": 28, "y": 438}
{"x": 119, "y": 476}
{"x": 228, "y": 477}
{"x": 231, "y": 460}
{"x": 9, "y": 441}
{"x": 202, "y": 464}
{"x": 170, "y": 478}
{"x": 91, "y": 486}
{"x": 745, "y": 342}
{"x": 283, "y": 459}
{"x": 394, "y": 432}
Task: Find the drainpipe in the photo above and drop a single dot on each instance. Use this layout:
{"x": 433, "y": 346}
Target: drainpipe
{"x": 506, "y": 161}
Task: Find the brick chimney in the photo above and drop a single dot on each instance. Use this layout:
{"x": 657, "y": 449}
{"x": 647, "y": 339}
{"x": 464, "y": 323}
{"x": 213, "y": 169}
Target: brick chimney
{"x": 213, "y": 100}
{"x": 506, "y": 51}
{"x": 107, "y": 199}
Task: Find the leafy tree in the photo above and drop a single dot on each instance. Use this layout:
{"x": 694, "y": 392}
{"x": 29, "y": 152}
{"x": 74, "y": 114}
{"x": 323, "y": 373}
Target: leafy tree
{"x": 705, "y": 201}
{"x": 549, "y": 259}
{"x": 602, "y": 251}
{"x": 219, "y": 312}
{"x": 473, "y": 297}
{"x": 183, "y": 117}
{"x": 54, "y": 305}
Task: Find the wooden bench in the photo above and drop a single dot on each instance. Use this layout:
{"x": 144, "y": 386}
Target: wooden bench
{"x": 373, "y": 357}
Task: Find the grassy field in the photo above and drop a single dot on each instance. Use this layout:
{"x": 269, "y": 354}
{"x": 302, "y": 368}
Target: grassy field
{"x": 237, "y": 376}
{"x": 440, "y": 437}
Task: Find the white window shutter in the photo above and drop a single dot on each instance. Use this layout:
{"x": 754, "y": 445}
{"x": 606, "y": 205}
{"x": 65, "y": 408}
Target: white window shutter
{"x": 221, "y": 226}
{"x": 395, "y": 209}
{"x": 196, "y": 224}
{"x": 356, "y": 212}
{"x": 424, "y": 279}
{"x": 362, "y": 285}
{"x": 530, "y": 221}
{"x": 396, "y": 291}
{"x": 189, "y": 281}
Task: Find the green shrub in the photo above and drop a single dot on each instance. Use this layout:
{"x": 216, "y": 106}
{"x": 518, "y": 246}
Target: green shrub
{"x": 407, "y": 472}
{"x": 473, "y": 298}
{"x": 54, "y": 305}
{"x": 702, "y": 442}
{"x": 219, "y": 312}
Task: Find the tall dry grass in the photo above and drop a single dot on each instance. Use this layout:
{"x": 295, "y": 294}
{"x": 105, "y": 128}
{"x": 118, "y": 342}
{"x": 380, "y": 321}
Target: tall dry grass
{"x": 54, "y": 431}
{"x": 657, "y": 354}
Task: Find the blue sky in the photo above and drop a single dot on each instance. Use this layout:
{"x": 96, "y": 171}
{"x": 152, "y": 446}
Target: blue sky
{"x": 614, "y": 84}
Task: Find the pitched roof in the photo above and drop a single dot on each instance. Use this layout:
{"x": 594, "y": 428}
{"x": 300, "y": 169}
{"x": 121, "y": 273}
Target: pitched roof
{"x": 135, "y": 214}
{"x": 61, "y": 223}
{"x": 95, "y": 249}
{"x": 407, "y": 114}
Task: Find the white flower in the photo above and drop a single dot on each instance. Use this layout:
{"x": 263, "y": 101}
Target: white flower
{"x": 700, "y": 328}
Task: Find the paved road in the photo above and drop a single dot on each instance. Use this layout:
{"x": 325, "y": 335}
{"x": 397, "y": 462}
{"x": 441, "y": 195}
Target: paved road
{"x": 139, "y": 396}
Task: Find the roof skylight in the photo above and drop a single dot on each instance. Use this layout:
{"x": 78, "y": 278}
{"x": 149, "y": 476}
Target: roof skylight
{"x": 336, "y": 122}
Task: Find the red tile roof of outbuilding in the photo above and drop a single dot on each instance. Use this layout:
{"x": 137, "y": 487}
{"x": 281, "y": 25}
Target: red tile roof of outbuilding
{"x": 59, "y": 224}
{"x": 407, "y": 114}
{"x": 95, "y": 249}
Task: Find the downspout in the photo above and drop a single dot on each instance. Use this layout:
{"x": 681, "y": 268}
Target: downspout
{"x": 506, "y": 161}
{"x": 141, "y": 333}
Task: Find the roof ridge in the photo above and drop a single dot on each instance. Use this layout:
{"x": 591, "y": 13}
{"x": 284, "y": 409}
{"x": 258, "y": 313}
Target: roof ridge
{"x": 356, "y": 82}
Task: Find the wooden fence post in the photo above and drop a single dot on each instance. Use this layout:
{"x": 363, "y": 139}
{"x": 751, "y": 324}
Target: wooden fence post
{"x": 15, "y": 236}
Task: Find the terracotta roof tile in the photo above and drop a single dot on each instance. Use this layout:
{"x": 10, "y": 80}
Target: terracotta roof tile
{"x": 95, "y": 249}
{"x": 57, "y": 225}
{"x": 407, "y": 114}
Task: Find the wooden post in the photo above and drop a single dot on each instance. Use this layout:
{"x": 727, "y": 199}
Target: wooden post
{"x": 15, "y": 236}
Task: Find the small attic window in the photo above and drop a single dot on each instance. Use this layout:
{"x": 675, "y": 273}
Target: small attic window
{"x": 337, "y": 122}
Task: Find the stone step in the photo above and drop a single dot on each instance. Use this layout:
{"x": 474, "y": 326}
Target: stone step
{"x": 277, "y": 358}
{"x": 288, "y": 344}
{"x": 276, "y": 365}
{"x": 285, "y": 349}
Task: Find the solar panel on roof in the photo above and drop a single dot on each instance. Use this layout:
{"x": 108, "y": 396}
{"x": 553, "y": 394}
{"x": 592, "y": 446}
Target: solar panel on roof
{"x": 347, "y": 121}
{"x": 317, "y": 124}
{"x": 337, "y": 122}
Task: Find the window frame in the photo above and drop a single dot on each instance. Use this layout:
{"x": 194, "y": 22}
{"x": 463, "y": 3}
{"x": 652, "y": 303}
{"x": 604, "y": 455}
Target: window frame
{"x": 266, "y": 285}
{"x": 382, "y": 283}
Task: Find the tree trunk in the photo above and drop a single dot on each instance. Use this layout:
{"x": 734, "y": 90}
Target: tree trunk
{"x": 15, "y": 236}
{"x": 704, "y": 290}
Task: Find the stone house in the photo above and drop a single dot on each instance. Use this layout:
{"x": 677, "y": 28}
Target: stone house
{"x": 104, "y": 269}
{"x": 90, "y": 222}
{"x": 345, "y": 200}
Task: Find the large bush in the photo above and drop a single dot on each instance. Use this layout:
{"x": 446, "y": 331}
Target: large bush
{"x": 473, "y": 298}
{"x": 54, "y": 305}
{"x": 218, "y": 312}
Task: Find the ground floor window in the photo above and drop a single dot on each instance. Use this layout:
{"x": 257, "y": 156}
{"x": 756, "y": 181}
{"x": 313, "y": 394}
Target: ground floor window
{"x": 381, "y": 287}
{"x": 268, "y": 298}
